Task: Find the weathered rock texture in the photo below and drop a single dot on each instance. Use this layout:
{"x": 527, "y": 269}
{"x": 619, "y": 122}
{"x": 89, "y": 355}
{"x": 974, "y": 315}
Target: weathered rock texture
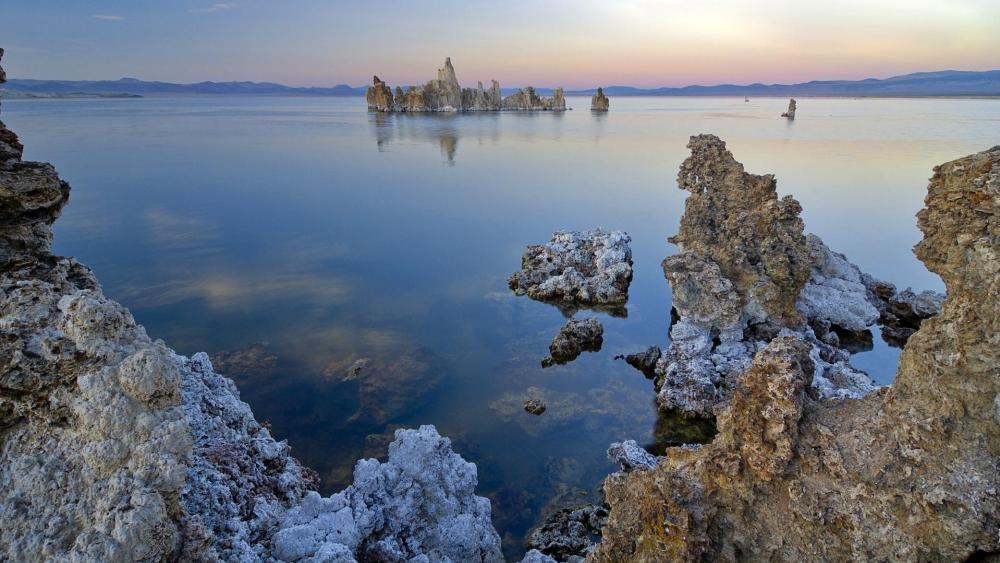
{"x": 445, "y": 94}
{"x": 907, "y": 473}
{"x": 599, "y": 102}
{"x": 578, "y": 269}
{"x": 746, "y": 273}
{"x": 574, "y": 338}
{"x": 790, "y": 113}
{"x": 113, "y": 448}
{"x": 901, "y": 312}
{"x": 383, "y": 515}
{"x": 570, "y": 533}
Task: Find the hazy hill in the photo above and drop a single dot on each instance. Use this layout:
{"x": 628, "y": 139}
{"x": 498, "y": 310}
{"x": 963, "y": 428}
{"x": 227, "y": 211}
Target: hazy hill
{"x": 940, "y": 83}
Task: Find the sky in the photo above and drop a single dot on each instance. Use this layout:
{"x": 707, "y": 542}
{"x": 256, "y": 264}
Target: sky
{"x": 574, "y": 44}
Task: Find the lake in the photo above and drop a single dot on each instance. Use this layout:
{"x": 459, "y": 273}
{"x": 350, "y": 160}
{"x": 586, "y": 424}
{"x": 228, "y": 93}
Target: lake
{"x": 334, "y": 235}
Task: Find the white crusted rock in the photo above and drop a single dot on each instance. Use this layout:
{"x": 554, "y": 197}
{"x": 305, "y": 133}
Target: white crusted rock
{"x": 590, "y": 268}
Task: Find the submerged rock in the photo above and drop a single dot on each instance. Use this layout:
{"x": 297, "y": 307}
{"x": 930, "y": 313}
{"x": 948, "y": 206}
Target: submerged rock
{"x": 574, "y": 338}
{"x": 790, "y": 112}
{"x": 578, "y": 269}
{"x": 534, "y": 406}
{"x": 254, "y": 360}
{"x": 599, "y": 102}
{"x": 904, "y": 474}
{"x": 445, "y": 94}
{"x": 114, "y": 448}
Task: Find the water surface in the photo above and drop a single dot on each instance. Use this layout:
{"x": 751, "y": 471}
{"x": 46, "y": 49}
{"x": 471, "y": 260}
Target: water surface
{"x": 334, "y": 235}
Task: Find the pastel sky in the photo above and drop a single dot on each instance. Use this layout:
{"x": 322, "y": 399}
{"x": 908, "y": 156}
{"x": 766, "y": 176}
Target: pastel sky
{"x": 572, "y": 43}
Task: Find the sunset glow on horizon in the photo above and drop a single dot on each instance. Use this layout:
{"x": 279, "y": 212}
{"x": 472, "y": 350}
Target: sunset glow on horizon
{"x": 644, "y": 43}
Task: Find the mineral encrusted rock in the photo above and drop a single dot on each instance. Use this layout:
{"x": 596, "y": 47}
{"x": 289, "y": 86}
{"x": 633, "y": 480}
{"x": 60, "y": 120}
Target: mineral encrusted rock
{"x": 577, "y": 269}
{"x": 901, "y": 312}
{"x": 382, "y": 516}
{"x": 737, "y": 282}
{"x": 599, "y": 102}
{"x": 114, "y": 448}
{"x": 526, "y": 99}
{"x": 574, "y": 338}
{"x": 379, "y": 97}
{"x": 568, "y": 534}
{"x": 444, "y": 93}
{"x": 735, "y": 222}
{"x": 906, "y": 473}
{"x": 790, "y": 112}
{"x": 629, "y": 455}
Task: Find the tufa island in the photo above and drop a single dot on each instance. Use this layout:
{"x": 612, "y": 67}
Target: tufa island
{"x": 113, "y": 447}
{"x": 445, "y": 94}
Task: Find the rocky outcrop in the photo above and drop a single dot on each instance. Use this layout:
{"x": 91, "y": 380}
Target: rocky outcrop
{"x": 114, "y": 448}
{"x": 568, "y": 534}
{"x": 445, "y": 94}
{"x": 790, "y": 112}
{"x": 599, "y": 102}
{"x": 574, "y": 338}
{"x": 901, "y": 312}
{"x": 645, "y": 361}
{"x": 590, "y": 269}
{"x": 379, "y": 97}
{"x": 629, "y": 456}
{"x": 383, "y": 515}
{"x": 745, "y": 274}
{"x": 526, "y": 99}
{"x": 908, "y": 473}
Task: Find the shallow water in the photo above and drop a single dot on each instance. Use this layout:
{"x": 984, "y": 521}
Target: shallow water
{"x": 333, "y": 235}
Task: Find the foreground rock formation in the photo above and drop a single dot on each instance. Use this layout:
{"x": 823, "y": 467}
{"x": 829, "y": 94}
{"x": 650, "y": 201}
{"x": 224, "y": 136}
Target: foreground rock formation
{"x": 599, "y": 102}
{"x": 445, "y": 94}
{"x": 745, "y": 274}
{"x": 578, "y": 269}
{"x": 790, "y": 112}
{"x": 114, "y": 448}
{"x": 905, "y": 473}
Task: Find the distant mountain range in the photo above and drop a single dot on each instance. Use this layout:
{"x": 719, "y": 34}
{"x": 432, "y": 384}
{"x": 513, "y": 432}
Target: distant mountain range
{"x": 941, "y": 83}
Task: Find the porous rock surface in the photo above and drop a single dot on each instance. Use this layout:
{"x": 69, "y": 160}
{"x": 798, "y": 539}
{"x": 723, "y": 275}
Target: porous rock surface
{"x": 599, "y": 102}
{"x": 568, "y": 534}
{"x": 574, "y": 338}
{"x": 745, "y": 274}
{"x": 905, "y": 473}
{"x": 577, "y": 269}
{"x": 901, "y": 312}
{"x": 114, "y": 448}
{"x": 384, "y": 515}
{"x": 444, "y": 93}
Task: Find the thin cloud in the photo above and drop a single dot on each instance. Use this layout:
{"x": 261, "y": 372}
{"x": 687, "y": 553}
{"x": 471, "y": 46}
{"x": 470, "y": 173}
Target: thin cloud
{"x": 110, "y": 18}
{"x": 220, "y": 7}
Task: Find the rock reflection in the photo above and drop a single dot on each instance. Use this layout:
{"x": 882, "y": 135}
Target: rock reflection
{"x": 445, "y": 129}
{"x": 674, "y": 428}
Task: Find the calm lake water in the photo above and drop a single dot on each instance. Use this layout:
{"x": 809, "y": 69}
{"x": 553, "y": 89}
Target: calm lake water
{"x": 335, "y": 235}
